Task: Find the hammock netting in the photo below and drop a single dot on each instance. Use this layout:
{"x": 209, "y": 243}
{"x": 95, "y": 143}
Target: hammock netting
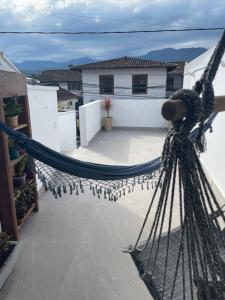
{"x": 183, "y": 256}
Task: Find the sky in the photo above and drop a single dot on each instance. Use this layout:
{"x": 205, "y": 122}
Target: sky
{"x": 107, "y": 15}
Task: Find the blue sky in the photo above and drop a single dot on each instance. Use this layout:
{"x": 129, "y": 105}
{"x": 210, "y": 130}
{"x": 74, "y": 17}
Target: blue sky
{"x": 97, "y": 15}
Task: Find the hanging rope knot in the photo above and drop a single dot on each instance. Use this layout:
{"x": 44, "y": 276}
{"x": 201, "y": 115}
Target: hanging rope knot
{"x": 207, "y": 106}
{"x": 193, "y": 102}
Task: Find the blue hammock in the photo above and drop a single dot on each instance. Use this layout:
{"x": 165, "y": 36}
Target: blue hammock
{"x": 60, "y": 173}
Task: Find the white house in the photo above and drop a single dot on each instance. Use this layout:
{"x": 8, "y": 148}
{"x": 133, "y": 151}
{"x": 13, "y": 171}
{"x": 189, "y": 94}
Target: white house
{"x": 124, "y": 78}
{"x": 214, "y": 158}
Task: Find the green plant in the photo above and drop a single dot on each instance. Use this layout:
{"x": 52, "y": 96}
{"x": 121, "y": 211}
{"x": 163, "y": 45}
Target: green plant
{"x": 22, "y": 166}
{"x": 21, "y": 207}
{"x": 4, "y": 242}
{"x": 12, "y": 108}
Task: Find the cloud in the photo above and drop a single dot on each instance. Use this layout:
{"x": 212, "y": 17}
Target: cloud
{"x": 107, "y": 15}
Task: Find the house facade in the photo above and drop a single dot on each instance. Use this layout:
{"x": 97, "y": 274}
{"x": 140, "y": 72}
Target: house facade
{"x": 66, "y": 100}
{"x": 69, "y": 80}
{"x": 125, "y": 78}
{"x": 175, "y": 79}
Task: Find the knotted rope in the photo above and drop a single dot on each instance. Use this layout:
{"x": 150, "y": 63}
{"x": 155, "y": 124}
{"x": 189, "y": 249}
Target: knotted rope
{"x": 200, "y": 235}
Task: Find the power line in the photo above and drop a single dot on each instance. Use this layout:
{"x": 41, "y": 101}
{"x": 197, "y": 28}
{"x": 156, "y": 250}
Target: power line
{"x": 110, "y": 32}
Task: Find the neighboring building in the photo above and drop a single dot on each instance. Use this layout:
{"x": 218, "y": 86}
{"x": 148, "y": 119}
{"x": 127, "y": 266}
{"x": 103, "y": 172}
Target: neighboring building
{"x": 66, "y": 100}
{"x": 175, "y": 79}
{"x": 6, "y": 64}
{"x": 124, "y": 78}
{"x": 69, "y": 80}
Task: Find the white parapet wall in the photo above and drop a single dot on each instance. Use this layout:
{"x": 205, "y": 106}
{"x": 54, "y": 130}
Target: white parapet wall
{"x": 125, "y": 113}
{"x": 214, "y": 158}
{"x": 67, "y": 131}
{"x": 138, "y": 113}
{"x": 90, "y": 121}
{"x": 43, "y": 115}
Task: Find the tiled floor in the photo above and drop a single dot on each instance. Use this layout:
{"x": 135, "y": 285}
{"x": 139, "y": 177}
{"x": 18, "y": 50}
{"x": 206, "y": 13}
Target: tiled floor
{"x": 71, "y": 249}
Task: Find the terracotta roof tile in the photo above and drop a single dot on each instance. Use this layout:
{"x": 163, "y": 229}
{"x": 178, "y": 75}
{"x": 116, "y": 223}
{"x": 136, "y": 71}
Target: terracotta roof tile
{"x": 127, "y": 62}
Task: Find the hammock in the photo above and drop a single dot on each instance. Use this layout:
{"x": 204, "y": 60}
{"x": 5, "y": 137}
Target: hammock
{"x": 196, "y": 269}
{"x": 60, "y": 173}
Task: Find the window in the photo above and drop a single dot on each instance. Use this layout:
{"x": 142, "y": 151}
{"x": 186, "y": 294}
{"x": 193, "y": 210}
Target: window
{"x": 170, "y": 84}
{"x": 106, "y": 84}
{"x": 74, "y": 86}
{"x": 140, "y": 84}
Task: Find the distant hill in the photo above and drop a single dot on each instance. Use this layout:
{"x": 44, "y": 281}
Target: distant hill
{"x": 171, "y": 54}
{"x": 167, "y": 54}
{"x": 36, "y": 66}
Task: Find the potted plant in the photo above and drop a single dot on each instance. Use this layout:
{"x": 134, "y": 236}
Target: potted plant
{"x": 24, "y": 200}
{"x": 14, "y": 151}
{"x": 9, "y": 251}
{"x": 12, "y": 110}
{"x": 19, "y": 178}
{"x": 107, "y": 121}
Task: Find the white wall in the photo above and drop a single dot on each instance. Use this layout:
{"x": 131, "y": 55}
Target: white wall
{"x": 125, "y": 113}
{"x": 43, "y": 113}
{"x": 123, "y": 78}
{"x": 214, "y": 159}
{"x": 67, "y": 131}
{"x": 137, "y": 113}
{"x": 90, "y": 121}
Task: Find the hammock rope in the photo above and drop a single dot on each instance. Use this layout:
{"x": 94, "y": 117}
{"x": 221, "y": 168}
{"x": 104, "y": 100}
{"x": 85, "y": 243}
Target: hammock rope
{"x": 200, "y": 239}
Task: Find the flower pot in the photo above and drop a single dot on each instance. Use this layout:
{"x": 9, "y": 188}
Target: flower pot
{"x": 12, "y": 121}
{"x": 107, "y": 122}
{"x": 19, "y": 181}
{"x": 14, "y": 153}
{"x": 9, "y": 263}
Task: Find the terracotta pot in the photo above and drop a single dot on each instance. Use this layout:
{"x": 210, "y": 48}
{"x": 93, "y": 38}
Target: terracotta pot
{"x": 107, "y": 122}
{"x": 12, "y": 121}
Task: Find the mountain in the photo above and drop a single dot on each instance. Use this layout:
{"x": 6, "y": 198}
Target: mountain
{"x": 166, "y": 54}
{"x": 171, "y": 54}
{"x": 36, "y": 66}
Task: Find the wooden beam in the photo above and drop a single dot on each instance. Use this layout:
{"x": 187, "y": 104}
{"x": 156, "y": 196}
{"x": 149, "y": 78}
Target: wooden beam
{"x": 174, "y": 110}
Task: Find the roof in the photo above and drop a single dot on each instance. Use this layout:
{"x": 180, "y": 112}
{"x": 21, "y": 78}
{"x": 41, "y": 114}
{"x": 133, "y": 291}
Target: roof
{"x": 179, "y": 67}
{"x": 63, "y": 95}
{"x": 6, "y": 64}
{"x": 126, "y": 63}
{"x": 56, "y": 76}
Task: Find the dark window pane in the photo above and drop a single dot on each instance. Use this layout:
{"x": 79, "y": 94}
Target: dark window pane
{"x": 140, "y": 83}
{"x": 170, "y": 84}
{"x": 106, "y": 84}
{"x": 74, "y": 86}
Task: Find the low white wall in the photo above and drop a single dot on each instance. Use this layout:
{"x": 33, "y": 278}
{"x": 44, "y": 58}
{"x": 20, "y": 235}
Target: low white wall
{"x": 43, "y": 114}
{"x": 67, "y": 130}
{"x": 90, "y": 121}
{"x": 137, "y": 113}
{"x": 125, "y": 113}
{"x": 214, "y": 158}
